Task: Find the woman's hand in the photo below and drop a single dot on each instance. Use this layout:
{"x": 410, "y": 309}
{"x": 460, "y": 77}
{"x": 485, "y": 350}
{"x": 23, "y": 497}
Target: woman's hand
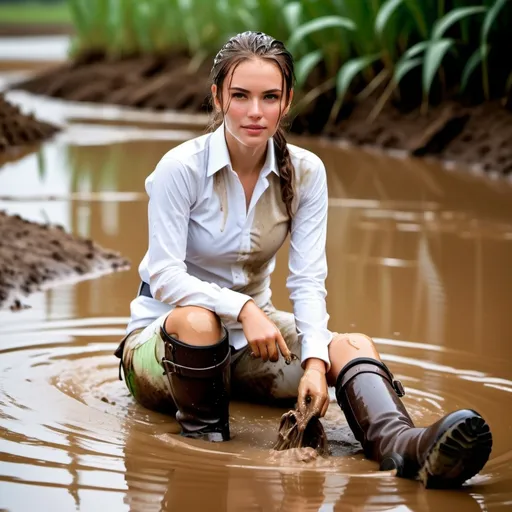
{"x": 313, "y": 396}
{"x": 262, "y": 335}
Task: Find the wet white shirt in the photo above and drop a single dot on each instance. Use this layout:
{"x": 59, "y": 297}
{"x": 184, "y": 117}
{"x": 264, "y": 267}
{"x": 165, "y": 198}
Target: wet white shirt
{"x": 206, "y": 248}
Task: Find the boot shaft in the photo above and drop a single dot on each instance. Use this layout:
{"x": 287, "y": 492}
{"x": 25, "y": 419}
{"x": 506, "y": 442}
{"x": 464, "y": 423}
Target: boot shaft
{"x": 199, "y": 378}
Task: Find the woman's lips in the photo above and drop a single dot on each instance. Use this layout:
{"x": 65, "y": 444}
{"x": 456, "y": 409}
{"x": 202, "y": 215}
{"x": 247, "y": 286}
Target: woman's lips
{"x": 253, "y": 129}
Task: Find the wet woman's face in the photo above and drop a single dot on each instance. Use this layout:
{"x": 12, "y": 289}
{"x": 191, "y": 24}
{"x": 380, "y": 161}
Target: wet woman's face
{"x": 253, "y": 101}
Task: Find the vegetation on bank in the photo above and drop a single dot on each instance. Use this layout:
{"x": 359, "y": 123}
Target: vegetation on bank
{"x": 34, "y": 13}
{"x": 421, "y": 49}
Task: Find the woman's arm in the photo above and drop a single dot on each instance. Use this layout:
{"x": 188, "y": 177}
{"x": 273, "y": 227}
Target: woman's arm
{"x": 308, "y": 267}
{"x": 172, "y": 192}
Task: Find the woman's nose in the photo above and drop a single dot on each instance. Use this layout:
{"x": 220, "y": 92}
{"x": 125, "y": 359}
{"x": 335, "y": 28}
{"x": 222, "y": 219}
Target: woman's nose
{"x": 255, "y": 108}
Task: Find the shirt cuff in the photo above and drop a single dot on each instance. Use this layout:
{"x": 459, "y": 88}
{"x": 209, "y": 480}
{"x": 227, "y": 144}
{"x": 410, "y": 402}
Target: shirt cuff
{"x": 318, "y": 351}
{"x": 229, "y": 304}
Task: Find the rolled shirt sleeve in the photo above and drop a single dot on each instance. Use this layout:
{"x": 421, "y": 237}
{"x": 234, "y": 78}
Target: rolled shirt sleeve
{"x": 308, "y": 265}
{"x": 172, "y": 190}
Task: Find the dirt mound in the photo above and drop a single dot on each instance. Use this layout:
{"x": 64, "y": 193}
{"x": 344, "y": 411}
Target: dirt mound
{"x": 32, "y": 255}
{"x": 464, "y": 134}
{"x": 18, "y": 129}
{"x": 155, "y": 82}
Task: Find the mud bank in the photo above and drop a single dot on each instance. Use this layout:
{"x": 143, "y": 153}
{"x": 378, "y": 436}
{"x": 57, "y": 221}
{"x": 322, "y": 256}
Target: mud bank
{"x": 34, "y": 255}
{"x": 18, "y": 130}
{"x": 471, "y": 135}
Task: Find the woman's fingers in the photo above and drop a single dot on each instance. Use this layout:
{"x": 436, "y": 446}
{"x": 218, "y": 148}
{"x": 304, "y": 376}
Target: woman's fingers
{"x": 263, "y": 352}
{"x": 255, "y": 349}
{"x": 283, "y": 347}
{"x": 273, "y": 353}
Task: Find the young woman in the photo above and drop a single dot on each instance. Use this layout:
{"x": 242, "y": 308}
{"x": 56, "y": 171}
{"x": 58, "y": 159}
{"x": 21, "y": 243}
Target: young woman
{"x": 203, "y": 327}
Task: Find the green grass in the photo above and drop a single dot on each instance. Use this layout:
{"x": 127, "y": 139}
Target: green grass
{"x": 35, "y": 13}
{"x": 393, "y": 48}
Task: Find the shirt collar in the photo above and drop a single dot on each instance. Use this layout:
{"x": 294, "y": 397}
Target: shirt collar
{"x": 218, "y": 156}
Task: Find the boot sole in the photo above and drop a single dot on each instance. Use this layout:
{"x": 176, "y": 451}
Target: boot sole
{"x": 459, "y": 453}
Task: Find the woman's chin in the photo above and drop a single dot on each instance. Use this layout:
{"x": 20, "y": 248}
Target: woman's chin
{"x": 253, "y": 141}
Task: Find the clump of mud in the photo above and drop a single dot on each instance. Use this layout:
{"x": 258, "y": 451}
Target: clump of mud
{"x": 33, "y": 255}
{"x": 18, "y": 129}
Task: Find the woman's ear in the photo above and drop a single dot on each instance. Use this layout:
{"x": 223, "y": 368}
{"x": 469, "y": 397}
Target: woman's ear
{"x": 289, "y": 104}
{"x": 216, "y": 101}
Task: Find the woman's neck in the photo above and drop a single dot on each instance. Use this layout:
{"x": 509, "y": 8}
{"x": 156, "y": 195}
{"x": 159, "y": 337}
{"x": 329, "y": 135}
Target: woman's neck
{"x": 245, "y": 160}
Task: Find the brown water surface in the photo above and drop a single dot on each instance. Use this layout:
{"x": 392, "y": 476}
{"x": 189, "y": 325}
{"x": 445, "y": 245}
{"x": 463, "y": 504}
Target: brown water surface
{"x": 419, "y": 258}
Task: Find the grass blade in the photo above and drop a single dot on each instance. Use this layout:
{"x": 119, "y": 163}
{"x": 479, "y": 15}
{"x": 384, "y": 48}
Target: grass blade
{"x": 435, "y": 53}
{"x": 350, "y": 70}
{"x": 403, "y": 67}
{"x": 452, "y": 17}
{"x": 384, "y": 15}
{"x": 292, "y": 14}
{"x": 476, "y": 58}
{"x": 490, "y": 18}
{"x": 316, "y": 25}
{"x": 305, "y": 65}
{"x": 416, "y": 49}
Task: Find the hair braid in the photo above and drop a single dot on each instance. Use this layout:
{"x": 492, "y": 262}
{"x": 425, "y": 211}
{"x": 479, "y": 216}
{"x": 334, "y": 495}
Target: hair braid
{"x": 286, "y": 170}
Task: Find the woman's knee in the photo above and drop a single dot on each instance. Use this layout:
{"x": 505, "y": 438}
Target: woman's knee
{"x": 348, "y": 346}
{"x": 356, "y": 342}
{"x": 194, "y": 325}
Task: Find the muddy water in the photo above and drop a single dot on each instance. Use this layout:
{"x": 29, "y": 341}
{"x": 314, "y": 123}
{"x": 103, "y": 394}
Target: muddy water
{"x": 419, "y": 258}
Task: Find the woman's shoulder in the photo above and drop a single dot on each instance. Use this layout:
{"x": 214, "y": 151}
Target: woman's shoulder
{"x": 304, "y": 159}
{"x": 182, "y": 165}
{"x": 188, "y": 155}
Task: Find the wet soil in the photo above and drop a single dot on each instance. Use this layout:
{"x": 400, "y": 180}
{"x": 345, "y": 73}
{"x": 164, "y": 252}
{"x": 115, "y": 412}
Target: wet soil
{"x": 18, "y": 130}
{"x": 35, "y": 29}
{"x": 476, "y": 136}
{"x": 419, "y": 258}
{"x": 34, "y": 255}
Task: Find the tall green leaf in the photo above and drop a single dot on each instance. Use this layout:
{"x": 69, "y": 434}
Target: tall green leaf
{"x": 452, "y": 17}
{"x": 292, "y": 13}
{"x": 490, "y": 18}
{"x": 316, "y": 25}
{"x": 415, "y": 50}
{"x": 403, "y": 67}
{"x": 435, "y": 53}
{"x": 305, "y": 65}
{"x": 384, "y": 15}
{"x": 476, "y": 58}
{"x": 350, "y": 70}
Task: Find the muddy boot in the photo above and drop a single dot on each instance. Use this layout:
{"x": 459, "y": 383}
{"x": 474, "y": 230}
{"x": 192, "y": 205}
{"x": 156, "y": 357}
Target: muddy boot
{"x": 444, "y": 455}
{"x": 199, "y": 378}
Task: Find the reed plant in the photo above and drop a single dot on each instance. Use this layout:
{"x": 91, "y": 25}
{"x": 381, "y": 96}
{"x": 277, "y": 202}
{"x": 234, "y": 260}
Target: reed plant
{"x": 363, "y": 47}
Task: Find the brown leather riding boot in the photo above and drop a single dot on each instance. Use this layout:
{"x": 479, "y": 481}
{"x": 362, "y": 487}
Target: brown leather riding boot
{"x": 199, "y": 379}
{"x": 443, "y": 455}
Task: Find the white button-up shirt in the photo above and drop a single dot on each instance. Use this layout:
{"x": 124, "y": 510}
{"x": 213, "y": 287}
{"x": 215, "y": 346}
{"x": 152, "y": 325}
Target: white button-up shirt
{"x": 206, "y": 248}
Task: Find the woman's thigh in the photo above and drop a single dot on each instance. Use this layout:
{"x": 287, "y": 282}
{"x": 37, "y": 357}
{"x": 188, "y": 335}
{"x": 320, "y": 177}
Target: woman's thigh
{"x": 143, "y": 372}
{"x": 268, "y": 382}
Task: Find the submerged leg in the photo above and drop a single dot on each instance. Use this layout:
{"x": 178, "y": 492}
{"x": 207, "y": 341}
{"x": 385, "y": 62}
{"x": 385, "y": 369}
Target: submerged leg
{"x": 443, "y": 455}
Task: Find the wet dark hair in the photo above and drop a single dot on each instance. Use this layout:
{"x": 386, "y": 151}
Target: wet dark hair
{"x": 246, "y": 46}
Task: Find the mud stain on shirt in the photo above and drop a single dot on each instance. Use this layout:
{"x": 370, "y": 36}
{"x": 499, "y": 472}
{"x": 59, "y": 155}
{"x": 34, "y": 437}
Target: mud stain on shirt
{"x": 268, "y": 233}
{"x": 220, "y": 188}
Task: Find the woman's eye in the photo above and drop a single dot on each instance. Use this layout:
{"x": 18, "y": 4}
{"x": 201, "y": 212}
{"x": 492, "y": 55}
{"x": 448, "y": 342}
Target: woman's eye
{"x": 238, "y": 95}
{"x": 271, "y": 97}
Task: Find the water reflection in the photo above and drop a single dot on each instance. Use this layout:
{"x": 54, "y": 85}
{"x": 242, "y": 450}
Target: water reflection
{"x": 415, "y": 253}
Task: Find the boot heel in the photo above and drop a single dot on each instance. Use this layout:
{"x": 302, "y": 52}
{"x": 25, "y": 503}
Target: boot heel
{"x": 459, "y": 453}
